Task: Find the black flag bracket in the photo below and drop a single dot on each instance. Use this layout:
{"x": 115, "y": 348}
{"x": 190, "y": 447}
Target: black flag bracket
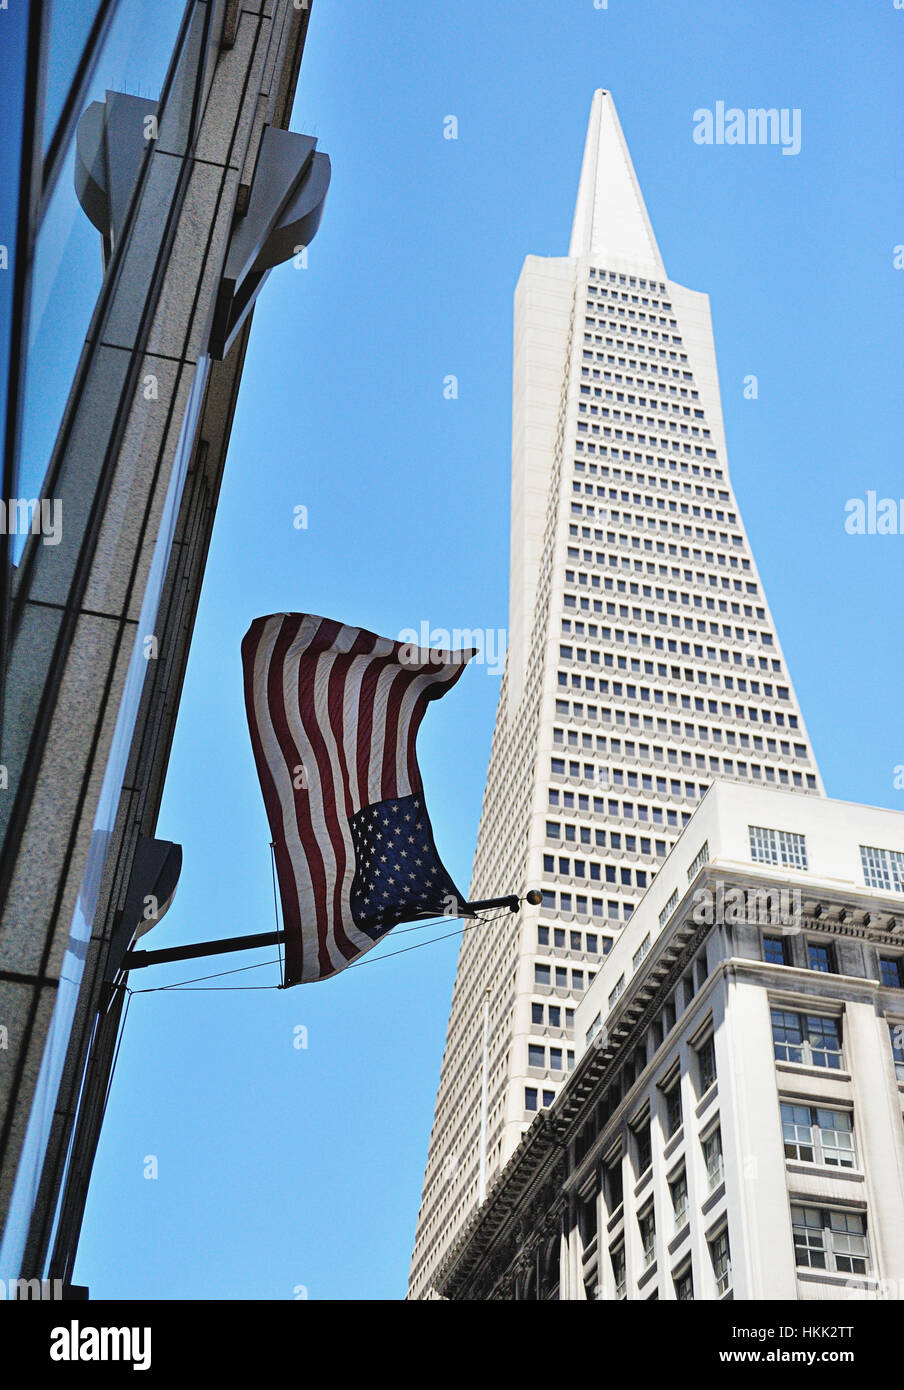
{"x": 137, "y": 960}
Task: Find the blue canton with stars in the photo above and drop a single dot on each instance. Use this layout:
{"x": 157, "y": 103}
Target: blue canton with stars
{"x": 398, "y": 873}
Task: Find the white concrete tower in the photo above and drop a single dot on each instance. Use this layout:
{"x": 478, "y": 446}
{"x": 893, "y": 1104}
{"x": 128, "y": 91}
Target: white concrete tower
{"x": 642, "y": 661}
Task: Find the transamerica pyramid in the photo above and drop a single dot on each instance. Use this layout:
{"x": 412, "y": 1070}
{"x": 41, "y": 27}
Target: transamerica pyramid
{"x": 642, "y": 663}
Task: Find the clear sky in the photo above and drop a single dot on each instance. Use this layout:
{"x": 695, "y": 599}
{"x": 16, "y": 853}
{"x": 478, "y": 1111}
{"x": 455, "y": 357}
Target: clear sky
{"x": 281, "y": 1167}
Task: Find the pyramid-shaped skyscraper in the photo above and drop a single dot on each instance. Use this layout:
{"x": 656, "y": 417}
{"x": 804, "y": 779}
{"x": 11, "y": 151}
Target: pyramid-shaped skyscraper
{"x": 643, "y": 663}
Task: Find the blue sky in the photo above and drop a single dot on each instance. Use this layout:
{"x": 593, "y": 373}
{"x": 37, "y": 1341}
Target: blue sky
{"x": 281, "y": 1167}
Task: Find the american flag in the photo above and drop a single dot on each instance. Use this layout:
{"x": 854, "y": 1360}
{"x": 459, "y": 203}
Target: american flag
{"x": 334, "y": 713}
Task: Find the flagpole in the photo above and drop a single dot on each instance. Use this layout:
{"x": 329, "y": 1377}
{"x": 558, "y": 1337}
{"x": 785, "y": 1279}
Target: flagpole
{"x": 136, "y": 960}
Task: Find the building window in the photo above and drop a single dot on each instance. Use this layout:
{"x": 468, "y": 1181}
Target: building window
{"x": 542, "y": 975}
{"x": 647, "y": 1224}
{"x": 712, "y": 1157}
{"x": 536, "y": 1056}
{"x": 700, "y": 858}
{"x": 721, "y": 1257}
{"x": 816, "y": 1135}
{"x": 896, "y": 1031}
{"x": 777, "y": 847}
{"x": 644, "y": 1147}
{"x": 820, "y": 956}
{"x": 673, "y": 1108}
{"x": 775, "y": 950}
{"x": 669, "y": 908}
{"x": 891, "y": 971}
{"x": 530, "y": 1098}
{"x": 882, "y": 868}
{"x": 678, "y": 1189}
{"x": 594, "y": 1029}
{"x": 617, "y": 991}
{"x": 641, "y": 951}
{"x": 808, "y": 1038}
{"x": 831, "y": 1240}
{"x": 614, "y": 1191}
{"x": 587, "y": 1220}
{"x": 706, "y": 1060}
{"x": 684, "y": 1286}
{"x": 536, "y": 1013}
{"x": 619, "y": 1271}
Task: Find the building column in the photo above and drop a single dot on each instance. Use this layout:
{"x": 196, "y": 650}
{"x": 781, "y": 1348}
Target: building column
{"x": 879, "y": 1136}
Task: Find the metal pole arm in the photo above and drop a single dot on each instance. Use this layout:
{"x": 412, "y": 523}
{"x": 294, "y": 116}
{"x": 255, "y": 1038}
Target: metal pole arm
{"x": 135, "y": 960}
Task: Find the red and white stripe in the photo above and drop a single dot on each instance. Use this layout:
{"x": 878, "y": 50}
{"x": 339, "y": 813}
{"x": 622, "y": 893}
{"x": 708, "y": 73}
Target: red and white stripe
{"x": 345, "y": 706}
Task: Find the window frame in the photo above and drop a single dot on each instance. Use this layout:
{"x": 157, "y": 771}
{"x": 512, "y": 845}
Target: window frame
{"x": 808, "y": 1053}
{"x": 827, "y": 1246}
{"x": 816, "y": 1142}
{"x": 720, "y": 1256}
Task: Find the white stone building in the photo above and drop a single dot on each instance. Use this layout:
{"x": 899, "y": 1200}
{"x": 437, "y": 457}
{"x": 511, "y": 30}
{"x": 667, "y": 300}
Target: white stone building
{"x": 733, "y": 1127}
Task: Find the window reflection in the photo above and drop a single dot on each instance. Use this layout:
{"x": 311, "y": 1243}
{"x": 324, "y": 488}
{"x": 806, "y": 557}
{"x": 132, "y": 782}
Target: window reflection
{"x": 69, "y": 26}
{"x": 15, "y": 35}
{"x": 68, "y": 265}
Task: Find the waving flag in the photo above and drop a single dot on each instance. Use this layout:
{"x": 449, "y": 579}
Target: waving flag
{"x": 334, "y": 713}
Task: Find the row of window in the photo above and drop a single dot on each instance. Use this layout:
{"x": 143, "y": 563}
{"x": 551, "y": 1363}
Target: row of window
{"x": 628, "y": 542}
{"x": 551, "y": 1015}
{"x": 631, "y": 342}
{"x": 588, "y": 743}
{"x": 824, "y": 1238}
{"x": 611, "y": 909}
{"x": 589, "y": 942}
{"x": 646, "y": 1221}
{"x": 882, "y": 868}
{"x": 603, "y": 470}
{"x": 777, "y": 847}
{"x": 592, "y": 632}
{"x": 577, "y": 603}
{"x": 613, "y": 1190}
{"x": 635, "y": 281}
{"x": 638, "y": 567}
{"x": 606, "y": 317}
{"x": 599, "y": 873}
{"x": 676, "y": 673}
{"x": 815, "y": 1040}
{"x": 576, "y": 680}
{"x": 644, "y": 752}
{"x": 621, "y": 400}
{"x": 558, "y": 976}
{"x": 600, "y": 514}
{"x": 558, "y": 1058}
{"x": 589, "y": 772}
{"x": 821, "y": 955}
{"x": 582, "y": 834}
{"x": 654, "y": 481}
{"x": 656, "y": 814}
{"x": 588, "y": 579}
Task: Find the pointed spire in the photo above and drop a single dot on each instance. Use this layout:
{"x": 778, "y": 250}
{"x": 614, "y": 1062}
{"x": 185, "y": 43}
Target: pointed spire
{"x": 610, "y": 217}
